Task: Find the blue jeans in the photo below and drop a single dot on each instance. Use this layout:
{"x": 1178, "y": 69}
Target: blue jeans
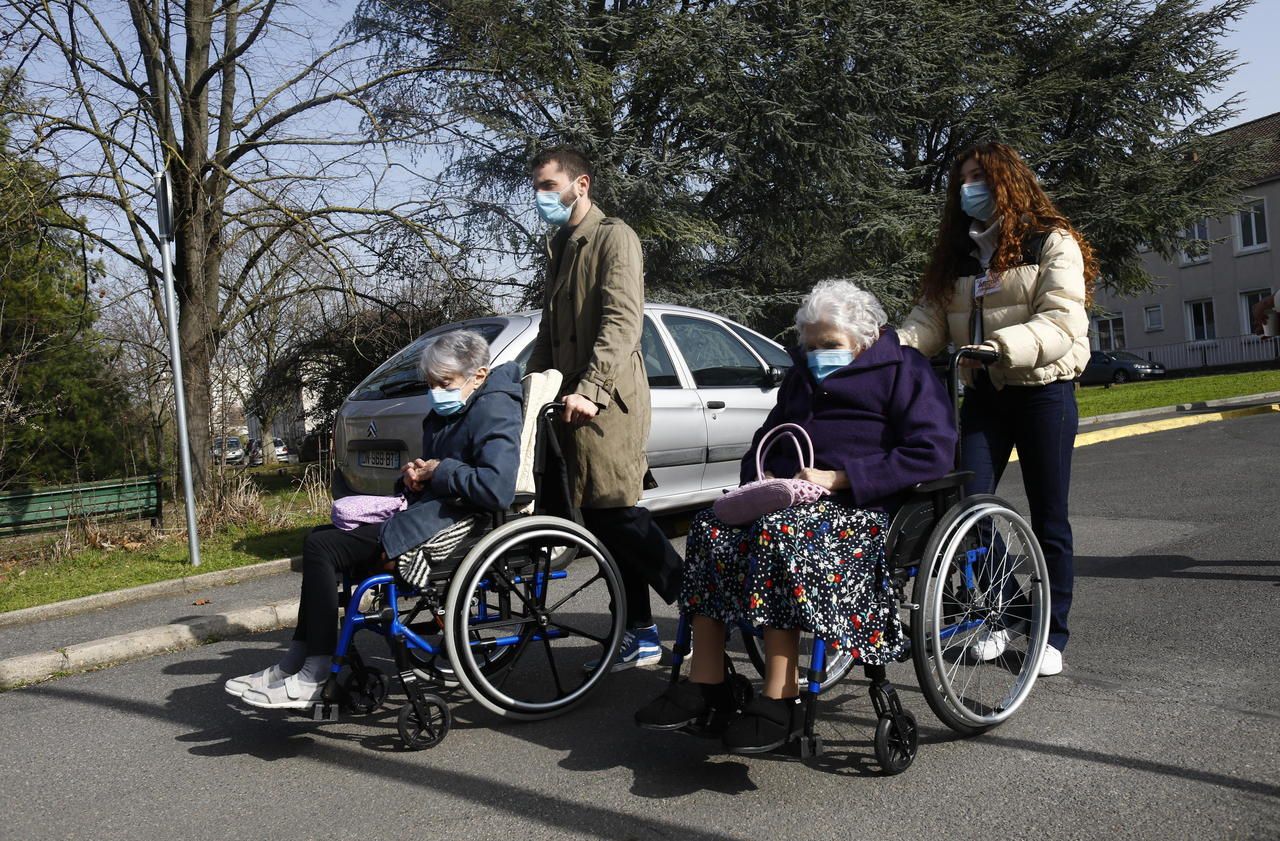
{"x": 1041, "y": 422}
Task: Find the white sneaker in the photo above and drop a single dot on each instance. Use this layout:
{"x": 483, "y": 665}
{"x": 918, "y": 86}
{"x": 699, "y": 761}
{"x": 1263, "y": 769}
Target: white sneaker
{"x": 288, "y": 694}
{"x": 990, "y": 645}
{"x": 237, "y": 686}
{"x": 1051, "y": 663}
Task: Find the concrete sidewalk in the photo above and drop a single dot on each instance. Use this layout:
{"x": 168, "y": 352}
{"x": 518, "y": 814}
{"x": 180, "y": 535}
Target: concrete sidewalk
{"x": 98, "y": 631}
{"x": 38, "y": 649}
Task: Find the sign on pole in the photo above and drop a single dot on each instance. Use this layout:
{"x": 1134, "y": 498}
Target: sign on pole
{"x": 164, "y": 213}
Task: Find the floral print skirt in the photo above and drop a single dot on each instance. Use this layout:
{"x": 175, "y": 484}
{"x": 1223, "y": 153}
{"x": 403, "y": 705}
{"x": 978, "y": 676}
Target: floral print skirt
{"x": 818, "y": 566}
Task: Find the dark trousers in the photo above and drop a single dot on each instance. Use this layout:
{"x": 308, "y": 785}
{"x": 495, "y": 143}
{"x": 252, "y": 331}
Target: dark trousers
{"x": 644, "y": 555}
{"x": 1041, "y": 422}
{"x": 328, "y": 552}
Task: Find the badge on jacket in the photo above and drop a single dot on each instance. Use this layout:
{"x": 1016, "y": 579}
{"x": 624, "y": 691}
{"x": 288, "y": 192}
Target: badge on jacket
{"x": 985, "y": 284}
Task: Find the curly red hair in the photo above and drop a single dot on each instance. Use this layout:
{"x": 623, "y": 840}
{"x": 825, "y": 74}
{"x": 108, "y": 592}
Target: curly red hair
{"x": 1022, "y": 205}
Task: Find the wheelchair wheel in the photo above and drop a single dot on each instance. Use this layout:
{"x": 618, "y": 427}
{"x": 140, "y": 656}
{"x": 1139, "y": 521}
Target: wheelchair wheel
{"x": 418, "y": 734}
{"x": 983, "y": 572}
{"x": 896, "y": 748}
{"x": 553, "y": 634}
{"x": 839, "y": 661}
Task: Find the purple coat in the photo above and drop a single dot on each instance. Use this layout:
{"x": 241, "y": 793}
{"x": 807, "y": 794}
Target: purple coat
{"x": 884, "y": 419}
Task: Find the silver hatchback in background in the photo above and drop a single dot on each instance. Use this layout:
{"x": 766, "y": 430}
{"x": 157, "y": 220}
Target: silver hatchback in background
{"x": 712, "y": 382}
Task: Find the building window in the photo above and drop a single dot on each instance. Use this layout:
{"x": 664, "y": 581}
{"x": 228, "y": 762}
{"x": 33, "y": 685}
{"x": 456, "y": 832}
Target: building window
{"x": 1196, "y": 237}
{"x": 1153, "y": 318}
{"x": 1247, "y": 300}
{"x": 1251, "y": 227}
{"x": 1110, "y": 332}
{"x": 1200, "y": 320}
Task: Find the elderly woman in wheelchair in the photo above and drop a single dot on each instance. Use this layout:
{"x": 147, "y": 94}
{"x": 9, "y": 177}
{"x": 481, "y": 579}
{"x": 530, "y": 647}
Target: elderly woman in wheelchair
{"x": 470, "y": 454}
{"x": 880, "y": 423}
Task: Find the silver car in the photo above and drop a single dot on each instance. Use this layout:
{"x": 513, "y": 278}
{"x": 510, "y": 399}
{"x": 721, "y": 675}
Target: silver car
{"x": 712, "y": 383}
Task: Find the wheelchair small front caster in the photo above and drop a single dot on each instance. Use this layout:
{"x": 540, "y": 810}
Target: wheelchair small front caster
{"x": 810, "y": 747}
{"x": 364, "y": 693}
{"x": 896, "y": 747}
{"x": 418, "y": 734}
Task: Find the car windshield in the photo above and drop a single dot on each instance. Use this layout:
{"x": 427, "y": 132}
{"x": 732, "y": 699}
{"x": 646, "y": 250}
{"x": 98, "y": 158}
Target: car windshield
{"x": 231, "y": 444}
{"x": 1125, "y": 356}
{"x": 399, "y": 376}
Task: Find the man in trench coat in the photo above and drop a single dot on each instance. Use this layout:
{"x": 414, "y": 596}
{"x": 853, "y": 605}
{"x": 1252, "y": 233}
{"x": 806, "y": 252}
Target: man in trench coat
{"x": 592, "y": 317}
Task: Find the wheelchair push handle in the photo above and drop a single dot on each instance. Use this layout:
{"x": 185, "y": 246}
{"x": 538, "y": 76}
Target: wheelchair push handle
{"x": 984, "y": 355}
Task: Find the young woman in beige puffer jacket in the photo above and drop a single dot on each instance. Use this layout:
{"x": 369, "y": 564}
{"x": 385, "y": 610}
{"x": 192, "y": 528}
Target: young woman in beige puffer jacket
{"x": 1010, "y": 273}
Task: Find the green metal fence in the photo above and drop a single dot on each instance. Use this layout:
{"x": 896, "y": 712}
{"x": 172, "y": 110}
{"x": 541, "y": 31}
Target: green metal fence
{"x": 53, "y": 507}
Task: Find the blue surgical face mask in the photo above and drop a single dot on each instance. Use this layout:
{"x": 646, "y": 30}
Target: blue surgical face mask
{"x": 552, "y": 210}
{"x": 446, "y": 401}
{"x": 823, "y": 363}
{"x": 977, "y": 201}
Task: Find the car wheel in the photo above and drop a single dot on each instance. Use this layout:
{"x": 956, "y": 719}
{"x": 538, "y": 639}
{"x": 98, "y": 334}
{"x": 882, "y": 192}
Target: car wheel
{"x": 1121, "y": 376}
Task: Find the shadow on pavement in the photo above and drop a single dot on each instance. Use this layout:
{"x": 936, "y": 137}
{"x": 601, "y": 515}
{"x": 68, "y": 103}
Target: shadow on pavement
{"x": 1142, "y": 567}
{"x": 270, "y": 739}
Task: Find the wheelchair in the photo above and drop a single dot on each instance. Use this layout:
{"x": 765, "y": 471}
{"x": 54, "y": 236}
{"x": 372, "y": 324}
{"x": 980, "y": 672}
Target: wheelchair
{"x": 525, "y": 615}
{"x": 960, "y": 566}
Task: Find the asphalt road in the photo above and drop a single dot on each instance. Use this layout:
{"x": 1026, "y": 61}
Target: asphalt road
{"x": 1166, "y": 724}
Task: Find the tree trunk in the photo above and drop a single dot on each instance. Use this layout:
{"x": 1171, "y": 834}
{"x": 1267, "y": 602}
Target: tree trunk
{"x": 266, "y": 421}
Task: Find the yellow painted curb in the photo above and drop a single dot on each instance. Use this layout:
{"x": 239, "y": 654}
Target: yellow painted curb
{"x": 1117, "y": 432}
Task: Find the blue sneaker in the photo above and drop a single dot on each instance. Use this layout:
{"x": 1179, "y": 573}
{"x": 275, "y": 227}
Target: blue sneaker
{"x": 640, "y": 647}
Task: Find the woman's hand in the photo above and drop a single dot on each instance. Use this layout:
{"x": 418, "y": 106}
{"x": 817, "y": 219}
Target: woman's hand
{"x": 966, "y": 362}
{"x": 832, "y": 480}
{"x": 418, "y": 472}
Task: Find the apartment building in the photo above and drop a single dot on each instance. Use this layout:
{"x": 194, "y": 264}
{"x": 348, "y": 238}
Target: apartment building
{"x": 1198, "y": 314}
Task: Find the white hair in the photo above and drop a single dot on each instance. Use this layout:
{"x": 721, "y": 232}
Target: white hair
{"x": 847, "y": 307}
{"x": 456, "y": 352}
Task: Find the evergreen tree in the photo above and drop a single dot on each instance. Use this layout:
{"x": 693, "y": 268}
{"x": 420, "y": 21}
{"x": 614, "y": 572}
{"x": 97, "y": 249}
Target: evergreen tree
{"x": 61, "y": 408}
{"x": 757, "y": 146}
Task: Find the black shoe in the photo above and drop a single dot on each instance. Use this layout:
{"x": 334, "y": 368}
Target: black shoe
{"x": 696, "y": 706}
{"x": 766, "y": 724}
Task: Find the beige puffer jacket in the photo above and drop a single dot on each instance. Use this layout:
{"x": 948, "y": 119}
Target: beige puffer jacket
{"x": 1036, "y": 318}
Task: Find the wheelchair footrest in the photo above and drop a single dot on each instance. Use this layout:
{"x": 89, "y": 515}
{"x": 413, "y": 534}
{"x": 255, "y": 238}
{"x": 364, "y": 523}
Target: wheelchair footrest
{"x": 325, "y": 712}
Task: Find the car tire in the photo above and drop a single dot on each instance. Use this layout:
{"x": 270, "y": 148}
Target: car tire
{"x": 1121, "y": 376}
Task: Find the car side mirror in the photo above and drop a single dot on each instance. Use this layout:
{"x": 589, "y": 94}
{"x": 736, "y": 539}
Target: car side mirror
{"x": 773, "y": 377}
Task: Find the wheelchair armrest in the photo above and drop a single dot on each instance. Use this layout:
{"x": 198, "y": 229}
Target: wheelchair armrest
{"x": 951, "y": 480}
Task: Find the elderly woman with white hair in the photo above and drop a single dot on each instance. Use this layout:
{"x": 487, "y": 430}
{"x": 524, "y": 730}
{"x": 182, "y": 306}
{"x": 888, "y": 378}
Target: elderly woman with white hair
{"x": 470, "y": 453}
{"x": 880, "y": 422}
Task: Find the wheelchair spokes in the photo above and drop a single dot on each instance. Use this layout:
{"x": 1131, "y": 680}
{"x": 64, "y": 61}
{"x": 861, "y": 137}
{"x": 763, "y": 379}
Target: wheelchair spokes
{"x": 982, "y": 623}
{"x": 555, "y": 646}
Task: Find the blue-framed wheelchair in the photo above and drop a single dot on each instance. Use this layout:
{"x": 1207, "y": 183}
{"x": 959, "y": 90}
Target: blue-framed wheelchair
{"x": 525, "y": 614}
{"x": 961, "y": 567}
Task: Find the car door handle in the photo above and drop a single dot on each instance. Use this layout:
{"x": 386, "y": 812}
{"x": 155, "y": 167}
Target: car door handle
{"x": 715, "y": 404}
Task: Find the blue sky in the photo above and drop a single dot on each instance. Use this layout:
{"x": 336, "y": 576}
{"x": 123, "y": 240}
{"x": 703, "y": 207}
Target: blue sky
{"x": 1257, "y": 42}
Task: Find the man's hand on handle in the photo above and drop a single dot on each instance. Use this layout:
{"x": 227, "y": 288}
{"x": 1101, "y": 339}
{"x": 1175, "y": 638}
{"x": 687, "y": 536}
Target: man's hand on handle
{"x": 578, "y": 410}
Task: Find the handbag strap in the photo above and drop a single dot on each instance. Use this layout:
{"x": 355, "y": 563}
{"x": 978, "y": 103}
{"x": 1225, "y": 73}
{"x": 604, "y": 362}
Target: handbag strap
{"x": 793, "y": 431}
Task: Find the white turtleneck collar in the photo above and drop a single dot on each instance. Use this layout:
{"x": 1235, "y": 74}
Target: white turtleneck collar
{"x": 986, "y": 240}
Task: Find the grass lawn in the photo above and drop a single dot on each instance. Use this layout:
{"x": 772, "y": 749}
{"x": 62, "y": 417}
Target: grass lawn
{"x": 94, "y": 570}
{"x": 1097, "y": 400}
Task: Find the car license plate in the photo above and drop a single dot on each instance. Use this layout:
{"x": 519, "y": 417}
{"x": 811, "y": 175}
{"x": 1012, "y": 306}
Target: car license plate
{"x": 380, "y": 458}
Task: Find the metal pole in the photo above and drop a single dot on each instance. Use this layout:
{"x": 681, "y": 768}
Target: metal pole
{"x": 164, "y": 210}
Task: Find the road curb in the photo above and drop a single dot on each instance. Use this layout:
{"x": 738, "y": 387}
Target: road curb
{"x": 1244, "y": 399}
{"x": 74, "y": 607}
{"x": 33, "y": 668}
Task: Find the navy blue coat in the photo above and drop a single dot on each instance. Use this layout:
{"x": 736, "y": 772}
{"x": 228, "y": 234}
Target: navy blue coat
{"x": 884, "y": 419}
{"x": 479, "y": 452}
